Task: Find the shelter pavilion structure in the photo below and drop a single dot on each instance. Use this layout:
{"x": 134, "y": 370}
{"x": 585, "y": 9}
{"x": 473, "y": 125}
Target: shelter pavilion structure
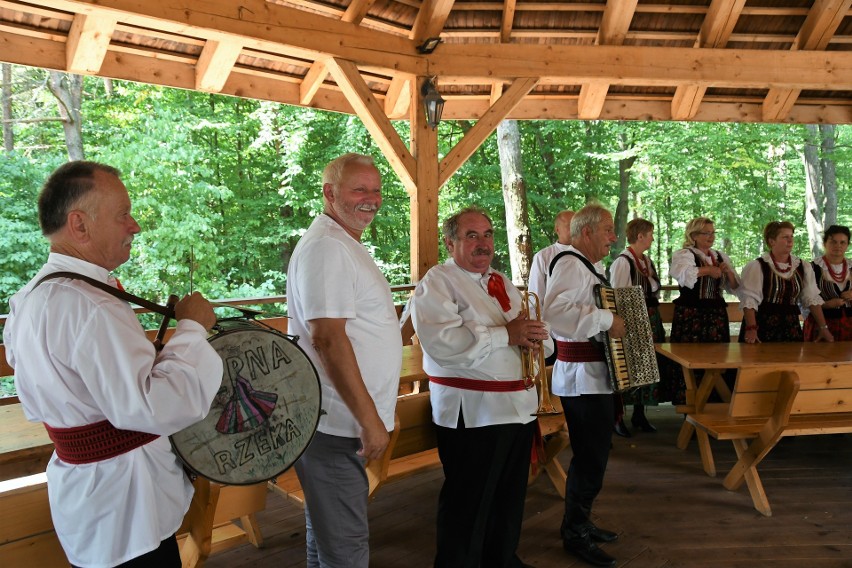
{"x": 701, "y": 60}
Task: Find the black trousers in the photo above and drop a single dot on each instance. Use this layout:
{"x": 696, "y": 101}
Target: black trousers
{"x": 481, "y": 504}
{"x": 167, "y": 555}
{"x": 590, "y": 419}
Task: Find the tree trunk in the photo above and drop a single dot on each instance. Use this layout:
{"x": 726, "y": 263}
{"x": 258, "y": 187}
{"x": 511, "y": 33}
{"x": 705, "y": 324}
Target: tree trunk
{"x": 68, "y": 90}
{"x": 515, "y": 199}
{"x": 623, "y": 206}
{"x": 6, "y": 103}
{"x": 829, "y": 175}
{"x": 814, "y": 197}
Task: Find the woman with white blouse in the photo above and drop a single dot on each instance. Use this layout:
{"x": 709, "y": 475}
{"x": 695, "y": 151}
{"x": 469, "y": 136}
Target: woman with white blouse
{"x": 702, "y": 273}
{"x": 774, "y": 286}
{"x": 833, "y": 277}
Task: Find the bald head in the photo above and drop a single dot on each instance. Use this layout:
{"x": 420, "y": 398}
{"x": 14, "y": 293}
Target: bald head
{"x": 562, "y": 226}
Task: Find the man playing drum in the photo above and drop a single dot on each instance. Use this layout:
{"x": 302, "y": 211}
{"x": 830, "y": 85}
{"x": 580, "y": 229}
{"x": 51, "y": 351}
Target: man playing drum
{"x": 469, "y": 322}
{"x": 85, "y": 368}
{"x": 339, "y": 300}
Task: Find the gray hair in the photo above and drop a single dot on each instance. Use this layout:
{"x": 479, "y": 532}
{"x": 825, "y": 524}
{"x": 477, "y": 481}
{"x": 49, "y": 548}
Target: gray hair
{"x": 68, "y": 188}
{"x": 588, "y": 216}
{"x": 450, "y": 227}
{"x": 333, "y": 172}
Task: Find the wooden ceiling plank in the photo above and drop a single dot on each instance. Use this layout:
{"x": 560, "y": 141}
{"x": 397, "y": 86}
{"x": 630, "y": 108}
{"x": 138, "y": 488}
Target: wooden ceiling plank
{"x": 817, "y": 30}
{"x": 215, "y": 63}
{"x": 88, "y": 40}
{"x": 346, "y": 74}
{"x": 483, "y": 128}
{"x": 430, "y": 21}
{"x": 508, "y": 21}
{"x": 262, "y": 25}
{"x": 716, "y": 30}
{"x": 398, "y": 97}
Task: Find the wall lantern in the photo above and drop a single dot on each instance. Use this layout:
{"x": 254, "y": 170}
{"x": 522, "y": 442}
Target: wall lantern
{"x": 433, "y": 103}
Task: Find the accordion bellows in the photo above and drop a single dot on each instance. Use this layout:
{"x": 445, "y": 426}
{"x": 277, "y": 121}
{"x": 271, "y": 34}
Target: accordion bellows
{"x": 631, "y": 359}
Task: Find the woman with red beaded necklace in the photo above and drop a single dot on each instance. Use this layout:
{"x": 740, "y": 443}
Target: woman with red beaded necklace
{"x": 832, "y": 275}
{"x": 634, "y": 268}
{"x": 700, "y": 313}
{"x": 774, "y": 285}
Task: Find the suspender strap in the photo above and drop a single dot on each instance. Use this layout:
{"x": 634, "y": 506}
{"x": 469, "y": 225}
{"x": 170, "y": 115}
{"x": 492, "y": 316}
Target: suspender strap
{"x": 579, "y": 351}
{"x": 95, "y": 442}
{"x": 480, "y": 385}
{"x": 583, "y": 259}
{"x": 167, "y": 311}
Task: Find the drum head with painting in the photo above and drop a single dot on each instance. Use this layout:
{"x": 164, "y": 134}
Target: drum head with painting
{"x": 265, "y": 413}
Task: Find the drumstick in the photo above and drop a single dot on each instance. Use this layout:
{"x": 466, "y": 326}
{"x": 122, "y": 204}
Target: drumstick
{"x": 170, "y": 313}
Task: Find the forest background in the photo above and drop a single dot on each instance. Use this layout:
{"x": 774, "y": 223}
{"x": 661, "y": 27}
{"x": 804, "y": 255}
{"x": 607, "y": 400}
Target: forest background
{"x": 224, "y": 187}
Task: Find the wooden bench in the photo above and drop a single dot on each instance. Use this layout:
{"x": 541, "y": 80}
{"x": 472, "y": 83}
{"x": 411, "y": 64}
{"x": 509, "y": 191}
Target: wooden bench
{"x": 27, "y": 537}
{"x": 771, "y": 401}
{"x": 413, "y": 445}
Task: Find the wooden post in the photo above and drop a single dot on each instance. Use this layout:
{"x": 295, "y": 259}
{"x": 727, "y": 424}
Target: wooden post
{"x": 425, "y": 237}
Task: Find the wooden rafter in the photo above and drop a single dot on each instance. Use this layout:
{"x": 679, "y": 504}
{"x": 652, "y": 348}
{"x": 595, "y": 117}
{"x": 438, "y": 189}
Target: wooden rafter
{"x": 820, "y": 25}
{"x": 508, "y": 20}
{"x": 87, "y": 43}
{"x": 614, "y": 25}
{"x": 398, "y": 97}
{"x": 715, "y": 32}
{"x": 430, "y": 20}
{"x": 215, "y": 64}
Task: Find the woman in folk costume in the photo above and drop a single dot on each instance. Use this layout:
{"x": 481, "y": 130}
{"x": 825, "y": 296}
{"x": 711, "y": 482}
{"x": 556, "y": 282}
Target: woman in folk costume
{"x": 833, "y": 277}
{"x": 700, "y": 313}
{"x": 634, "y": 268}
{"x": 774, "y": 286}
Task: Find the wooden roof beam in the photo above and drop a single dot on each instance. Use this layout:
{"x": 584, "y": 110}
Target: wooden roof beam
{"x": 483, "y": 128}
{"x": 316, "y": 75}
{"x": 371, "y": 113}
{"x": 613, "y": 29}
{"x": 215, "y": 63}
{"x": 508, "y": 20}
{"x": 819, "y": 27}
{"x": 430, "y": 20}
{"x": 716, "y": 30}
{"x": 88, "y": 40}
{"x": 398, "y": 97}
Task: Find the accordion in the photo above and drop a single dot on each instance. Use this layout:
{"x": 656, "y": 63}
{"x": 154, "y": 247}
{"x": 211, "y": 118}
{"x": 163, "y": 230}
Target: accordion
{"x": 631, "y": 359}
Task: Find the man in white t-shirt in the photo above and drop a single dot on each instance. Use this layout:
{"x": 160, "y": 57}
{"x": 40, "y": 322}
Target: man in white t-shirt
{"x": 341, "y": 304}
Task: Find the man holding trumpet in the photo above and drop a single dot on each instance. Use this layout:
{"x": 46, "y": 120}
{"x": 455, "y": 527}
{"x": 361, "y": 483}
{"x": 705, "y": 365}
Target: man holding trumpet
{"x": 472, "y": 328}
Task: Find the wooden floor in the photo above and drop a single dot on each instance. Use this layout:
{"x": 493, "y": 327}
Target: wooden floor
{"x": 666, "y": 510}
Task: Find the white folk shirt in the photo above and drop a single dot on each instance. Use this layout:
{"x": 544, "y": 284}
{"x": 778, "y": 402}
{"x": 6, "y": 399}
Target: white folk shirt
{"x": 619, "y": 272}
{"x": 81, "y": 357}
{"x": 331, "y": 275}
{"x": 750, "y": 291}
{"x": 569, "y": 307}
{"x": 685, "y": 272}
{"x": 540, "y": 266}
{"x": 462, "y": 331}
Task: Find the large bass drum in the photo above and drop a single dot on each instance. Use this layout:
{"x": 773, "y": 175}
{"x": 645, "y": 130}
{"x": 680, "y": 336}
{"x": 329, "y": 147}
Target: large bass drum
{"x": 265, "y": 413}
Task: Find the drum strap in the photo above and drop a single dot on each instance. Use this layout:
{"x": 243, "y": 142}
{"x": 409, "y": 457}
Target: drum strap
{"x": 120, "y": 294}
{"x": 579, "y": 351}
{"x": 480, "y": 385}
{"x": 95, "y": 442}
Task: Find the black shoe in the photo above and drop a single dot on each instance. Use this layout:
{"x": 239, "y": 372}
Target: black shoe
{"x": 581, "y": 545}
{"x": 602, "y": 535}
{"x": 621, "y": 429}
{"x": 642, "y": 423}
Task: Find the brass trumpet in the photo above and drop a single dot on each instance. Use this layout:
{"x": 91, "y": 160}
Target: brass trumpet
{"x": 533, "y": 366}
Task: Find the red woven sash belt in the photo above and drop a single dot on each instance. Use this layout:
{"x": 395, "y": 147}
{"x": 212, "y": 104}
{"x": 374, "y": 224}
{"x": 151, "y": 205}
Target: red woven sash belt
{"x": 482, "y": 386}
{"x": 579, "y": 352}
{"x": 95, "y": 442}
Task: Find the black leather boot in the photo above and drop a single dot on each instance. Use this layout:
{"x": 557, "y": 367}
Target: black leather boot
{"x": 620, "y": 429}
{"x": 639, "y": 420}
{"x": 579, "y": 543}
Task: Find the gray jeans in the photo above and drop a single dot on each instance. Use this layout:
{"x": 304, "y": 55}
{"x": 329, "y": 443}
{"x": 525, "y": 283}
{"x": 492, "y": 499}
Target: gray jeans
{"x": 335, "y": 484}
